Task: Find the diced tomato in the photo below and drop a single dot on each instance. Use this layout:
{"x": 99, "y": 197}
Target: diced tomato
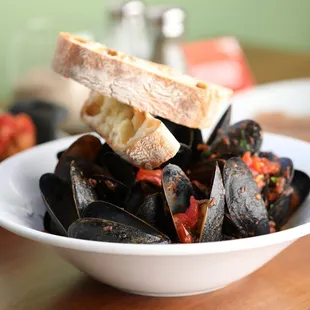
{"x": 17, "y": 133}
{"x": 152, "y": 176}
{"x": 261, "y": 167}
{"x": 193, "y": 211}
{"x": 182, "y": 218}
{"x": 183, "y": 234}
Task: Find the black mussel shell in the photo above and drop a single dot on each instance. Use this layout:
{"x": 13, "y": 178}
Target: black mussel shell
{"x": 287, "y": 168}
{"x": 244, "y": 202}
{"x": 229, "y": 228}
{"x": 268, "y": 155}
{"x": 177, "y": 188}
{"x": 197, "y": 139}
{"x": 201, "y": 192}
{"x": 221, "y": 126}
{"x": 182, "y": 157}
{"x": 86, "y": 147}
{"x": 84, "y": 151}
{"x": 59, "y": 154}
{"x": 183, "y": 134}
{"x": 279, "y": 211}
{"x": 150, "y": 209}
{"x": 108, "y": 211}
{"x": 227, "y": 237}
{"x": 49, "y": 225}
{"x": 212, "y": 212}
{"x": 100, "y": 157}
{"x": 301, "y": 186}
{"x": 63, "y": 168}
{"x": 59, "y": 201}
{"x": 155, "y": 212}
{"x": 109, "y": 190}
{"x": 120, "y": 169}
{"x": 238, "y": 139}
{"x": 203, "y": 172}
{"x": 83, "y": 192}
{"x": 135, "y": 198}
{"x": 108, "y": 231}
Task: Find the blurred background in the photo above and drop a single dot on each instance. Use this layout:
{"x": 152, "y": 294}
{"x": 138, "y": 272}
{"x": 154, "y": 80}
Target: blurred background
{"x": 238, "y": 44}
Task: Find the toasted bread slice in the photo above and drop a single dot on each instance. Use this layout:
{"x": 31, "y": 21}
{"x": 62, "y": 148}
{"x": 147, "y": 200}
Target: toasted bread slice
{"x": 136, "y": 136}
{"x": 147, "y": 86}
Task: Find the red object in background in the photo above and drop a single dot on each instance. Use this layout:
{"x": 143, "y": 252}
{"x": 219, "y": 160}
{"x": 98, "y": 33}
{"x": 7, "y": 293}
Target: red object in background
{"x": 17, "y": 133}
{"x": 220, "y": 61}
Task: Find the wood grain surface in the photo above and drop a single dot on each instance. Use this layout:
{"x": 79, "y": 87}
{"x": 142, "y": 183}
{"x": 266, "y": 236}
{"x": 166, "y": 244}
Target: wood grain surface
{"x": 33, "y": 277}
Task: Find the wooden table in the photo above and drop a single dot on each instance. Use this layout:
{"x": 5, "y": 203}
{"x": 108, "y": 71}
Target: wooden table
{"x": 33, "y": 277}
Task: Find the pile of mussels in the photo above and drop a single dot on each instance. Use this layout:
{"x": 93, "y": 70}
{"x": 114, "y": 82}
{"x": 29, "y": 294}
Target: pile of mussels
{"x": 206, "y": 193}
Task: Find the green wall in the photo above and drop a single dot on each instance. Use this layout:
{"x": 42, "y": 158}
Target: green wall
{"x": 282, "y": 24}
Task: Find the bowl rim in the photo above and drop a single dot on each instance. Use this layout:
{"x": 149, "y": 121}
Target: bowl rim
{"x": 289, "y": 235}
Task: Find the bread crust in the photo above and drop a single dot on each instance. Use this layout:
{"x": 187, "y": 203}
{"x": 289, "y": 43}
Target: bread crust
{"x": 155, "y": 146}
{"x": 149, "y": 87}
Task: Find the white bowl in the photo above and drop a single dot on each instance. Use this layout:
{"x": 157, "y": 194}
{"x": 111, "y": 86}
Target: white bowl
{"x": 158, "y": 270}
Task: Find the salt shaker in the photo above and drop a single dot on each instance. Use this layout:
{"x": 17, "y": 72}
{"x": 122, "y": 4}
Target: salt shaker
{"x": 167, "y": 50}
{"x": 128, "y": 30}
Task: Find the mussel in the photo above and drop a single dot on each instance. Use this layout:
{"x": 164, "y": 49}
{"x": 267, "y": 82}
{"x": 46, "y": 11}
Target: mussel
{"x": 108, "y": 231}
{"x": 84, "y": 150}
{"x": 83, "y": 192}
{"x": 120, "y": 169}
{"x": 292, "y": 197}
{"x": 119, "y": 220}
{"x": 212, "y": 213}
{"x": 195, "y": 220}
{"x": 59, "y": 201}
{"x": 244, "y": 201}
{"x": 244, "y": 136}
{"x": 109, "y": 189}
{"x": 221, "y": 126}
{"x": 206, "y": 193}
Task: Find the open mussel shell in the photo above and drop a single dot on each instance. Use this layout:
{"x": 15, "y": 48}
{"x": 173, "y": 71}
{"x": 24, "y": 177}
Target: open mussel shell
{"x": 120, "y": 169}
{"x": 83, "y": 192}
{"x": 244, "y": 202}
{"x": 182, "y": 157}
{"x": 268, "y": 155}
{"x": 279, "y": 211}
{"x": 292, "y": 197}
{"x": 50, "y": 226}
{"x": 238, "y": 139}
{"x": 155, "y": 212}
{"x": 108, "y": 231}
{"x": 108, "y": 211}
{"x": 301, "y": 186}
{"x": 135, "y": 198}
{"x": 221, "y": 126}
{"x": 150, "y": 209}
{"x": 287, "y": 168}
{"x": 229, "y": 228}
{"x": 88, "y": 168}
{"x": 109, "y": 190}
{"x": 59, "y": 154}
{"x": 212, "y": 212}
{"x": 59, "y": 201}
{"x": 183, "y": 134}
{"x": 86, "y": 148}
{"x": 177, "y": 188}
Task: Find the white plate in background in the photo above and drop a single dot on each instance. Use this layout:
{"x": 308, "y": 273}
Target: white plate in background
{"x": 291, "y": 97}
